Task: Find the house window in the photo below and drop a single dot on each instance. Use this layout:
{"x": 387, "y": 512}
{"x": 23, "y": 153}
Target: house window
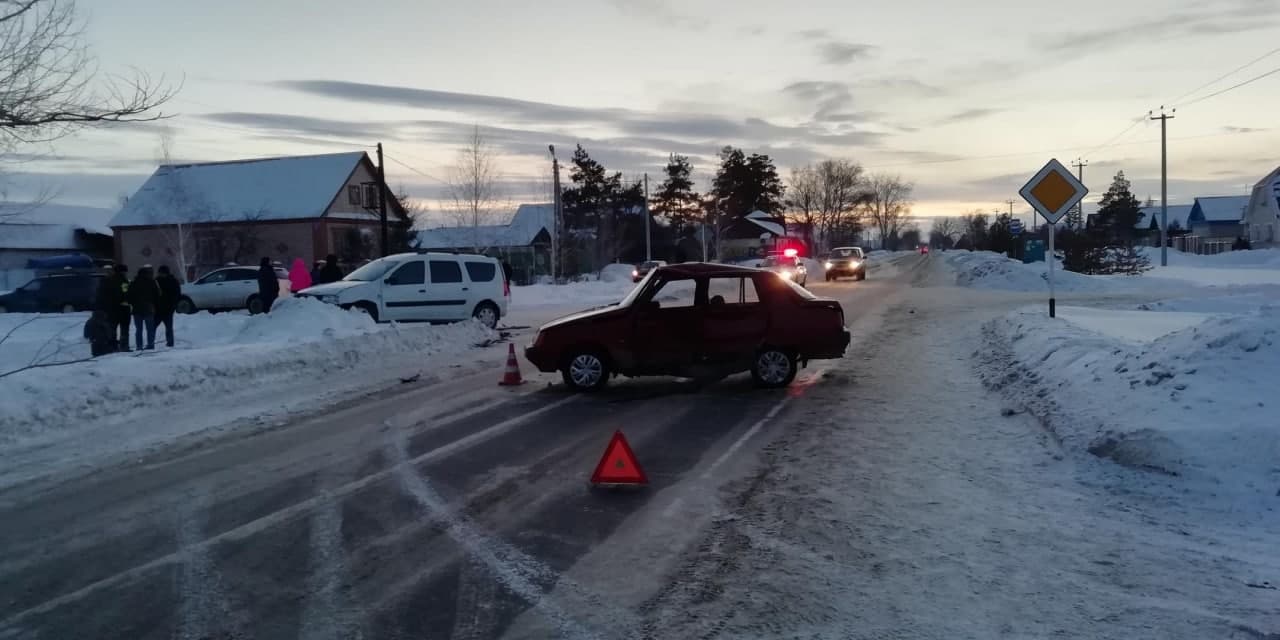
{"x": 353, "y": 195}
{"x": 371, "y": 196}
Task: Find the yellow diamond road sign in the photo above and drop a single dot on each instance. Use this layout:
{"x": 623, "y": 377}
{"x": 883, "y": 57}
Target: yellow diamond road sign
{"x": 1054, "y": 191}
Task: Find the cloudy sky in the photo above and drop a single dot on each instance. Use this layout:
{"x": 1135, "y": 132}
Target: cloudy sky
{"x": 966, "y": 100}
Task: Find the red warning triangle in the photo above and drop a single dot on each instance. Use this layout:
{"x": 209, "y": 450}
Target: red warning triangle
{"x": 619, "y": 464}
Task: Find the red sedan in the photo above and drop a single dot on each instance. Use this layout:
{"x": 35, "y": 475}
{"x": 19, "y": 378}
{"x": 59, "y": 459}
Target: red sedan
{"x": 695, "y": 320}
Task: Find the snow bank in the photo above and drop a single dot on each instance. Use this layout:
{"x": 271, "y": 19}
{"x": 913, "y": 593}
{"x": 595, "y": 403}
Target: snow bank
{"x": 988, "y": 270}
{"x": 1194, "y": 403}
{"x": 220, "y": 358}
{"x": 1254, "y": 259}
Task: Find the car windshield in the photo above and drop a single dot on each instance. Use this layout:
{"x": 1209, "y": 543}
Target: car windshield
{"x": 844, "y": 253}
{"x": 648, "y": 265}
{"x": 371, "y": 271}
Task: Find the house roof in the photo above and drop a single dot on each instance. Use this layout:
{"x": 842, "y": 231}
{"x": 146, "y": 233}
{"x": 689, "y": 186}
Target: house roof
{"x": 91, "y": 219}
{"x": 261, "y": 189}
{"x": 528, "y": 221}
{"x": 38, "y": 236}
{"x": 1177, "y": 213}
{"x": 1219, "y": 209}
{"x": 1265, "y": 197}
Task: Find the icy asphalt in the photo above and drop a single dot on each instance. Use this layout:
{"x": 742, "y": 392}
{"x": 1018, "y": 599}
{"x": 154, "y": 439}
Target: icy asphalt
{"x": 882, "y": 496}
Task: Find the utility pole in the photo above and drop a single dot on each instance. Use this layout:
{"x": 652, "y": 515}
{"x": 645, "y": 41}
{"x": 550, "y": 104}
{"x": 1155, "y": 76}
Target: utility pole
{"x": 382, "y": 199}
{"x": 647, "y": 254}
{"x": 555, "y": 215}
{"x": 1079, "y": 164}
{"x": 1164, "y": 182}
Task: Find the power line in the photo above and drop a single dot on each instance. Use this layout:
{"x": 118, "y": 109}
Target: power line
{"x": 1233, "y": 87}
{"x": 1113, "y": 140}
{"x": 415, "y": 170}
{"x": 1226, "y": 75}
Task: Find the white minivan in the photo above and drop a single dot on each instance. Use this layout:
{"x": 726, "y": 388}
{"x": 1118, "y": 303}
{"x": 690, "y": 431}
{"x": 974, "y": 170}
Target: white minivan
{"x": 423, "y": 287}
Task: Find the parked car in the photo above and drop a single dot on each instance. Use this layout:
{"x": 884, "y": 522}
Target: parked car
{"x": 423, "y": 287}
{"x": 695, "y": 320}
{"x": 846, "y": 262}
{"x": 53, "y": 293}
{"x": 788, "y": 267}
{"x": 228, "y": 288}
{"x": 644, "y": 268}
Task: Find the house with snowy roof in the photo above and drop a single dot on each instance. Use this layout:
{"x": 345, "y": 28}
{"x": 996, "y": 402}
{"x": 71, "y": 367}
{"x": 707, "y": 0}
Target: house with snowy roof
{"x": 1262, "y": 217}
{"x": 200, "y": 216}
{"x": 30, "y": 234}
{"x": 1218, "y": 218}
{"x": 524, "y": 242}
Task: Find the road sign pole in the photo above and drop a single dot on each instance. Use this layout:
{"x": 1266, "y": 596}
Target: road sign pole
{"x": 1053, "y": 231}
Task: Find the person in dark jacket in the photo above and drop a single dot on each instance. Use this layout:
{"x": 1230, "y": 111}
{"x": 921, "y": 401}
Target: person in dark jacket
{"x": 268, "y": 284}
{"x": 170, "y": 292}
{"x": 100, "y": 333}
{"x": 144, "y": 295}
{"x": 331, "y": 272}
{"x": 112, "y": 300}
{"x": 316, "y": 271}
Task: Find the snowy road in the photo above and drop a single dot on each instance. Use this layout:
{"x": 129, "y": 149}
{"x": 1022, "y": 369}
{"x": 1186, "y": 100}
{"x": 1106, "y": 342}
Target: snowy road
{"x": 443, "y": 510}
{"x": 886, "y": 495}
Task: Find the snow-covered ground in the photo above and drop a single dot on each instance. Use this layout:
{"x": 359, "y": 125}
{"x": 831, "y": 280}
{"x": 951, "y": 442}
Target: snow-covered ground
{"x": 226, "y": 367}
{"x": 987, "y": 270}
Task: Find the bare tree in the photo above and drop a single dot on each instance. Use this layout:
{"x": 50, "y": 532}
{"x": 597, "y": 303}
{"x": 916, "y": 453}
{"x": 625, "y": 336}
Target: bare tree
{"x": 945, "y": 232}
{"x": 888, "y": 203}
{"x": 176, "y": 212}
{"x": 49, "y": 83}
{"x": 804, "y": 196}
{"x": 842, "y": 189}
{"x": 473, "y": 187}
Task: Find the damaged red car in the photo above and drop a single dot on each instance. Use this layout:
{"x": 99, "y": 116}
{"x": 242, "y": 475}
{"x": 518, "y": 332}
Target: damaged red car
{"x": 695, "y": 320}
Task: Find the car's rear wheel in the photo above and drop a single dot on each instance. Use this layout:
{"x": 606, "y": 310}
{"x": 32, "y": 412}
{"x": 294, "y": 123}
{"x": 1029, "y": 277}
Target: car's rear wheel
{"x": 487, "y": 314}
{"x": 254, "y": 304}
{"x": 773, "y": 368}
{"x": 68, "y": 308}
{"x": 185, "y": 306}
{"x": 586, "y": 371}
{"x": 4, "y": 309}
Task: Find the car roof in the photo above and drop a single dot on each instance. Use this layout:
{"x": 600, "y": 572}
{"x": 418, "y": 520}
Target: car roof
{"x": 706, "y": 269}
{"x": 442, "y": 254}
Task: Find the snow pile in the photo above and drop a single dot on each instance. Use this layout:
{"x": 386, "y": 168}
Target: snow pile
{"x": 1193, "y": 403}
{"x": 223, "y": 361}
{"x": 1230, "y": 269}
{"x": 988, "y": 270}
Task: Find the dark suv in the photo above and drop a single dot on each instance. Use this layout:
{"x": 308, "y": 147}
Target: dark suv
{"x": 695, "y": 320}
{"x": 846, "y": 262}
{"x": 53, "y": 293}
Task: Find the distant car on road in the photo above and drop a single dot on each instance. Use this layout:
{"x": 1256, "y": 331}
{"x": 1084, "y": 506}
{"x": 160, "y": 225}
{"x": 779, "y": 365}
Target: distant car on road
{"x": 788, "y": 267}
{"x": 924, "y": 249}
{"x": 423, "y": 287}
{"x": 644, "y": 268}
{"x": 228, "y": 288}
{"x": 846, "y": 262}
{"x": 695, "y": 320}
{"x": 53, "y": 293}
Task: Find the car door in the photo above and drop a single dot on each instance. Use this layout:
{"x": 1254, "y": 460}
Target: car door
{"x": 242, "y": 282}
{"x": 447, "y": 292}
{"x": 666, "y": 325}
{"x": 205, "y": 292}
{"x": 736, "y": 319}
{"x": 404, "y": 292}
{"x": 26, "y": 299}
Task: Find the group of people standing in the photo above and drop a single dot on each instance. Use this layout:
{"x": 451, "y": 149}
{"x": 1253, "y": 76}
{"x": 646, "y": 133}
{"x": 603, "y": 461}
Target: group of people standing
{"x": 149, "y": 300}
{"x": 145, "y": 302}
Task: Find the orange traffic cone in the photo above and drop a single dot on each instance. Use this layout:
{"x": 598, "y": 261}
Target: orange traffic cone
{"x": 512, "y": 377}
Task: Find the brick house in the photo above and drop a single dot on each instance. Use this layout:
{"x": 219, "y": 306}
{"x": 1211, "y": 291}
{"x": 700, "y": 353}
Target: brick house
{"x": 198, "y": 217}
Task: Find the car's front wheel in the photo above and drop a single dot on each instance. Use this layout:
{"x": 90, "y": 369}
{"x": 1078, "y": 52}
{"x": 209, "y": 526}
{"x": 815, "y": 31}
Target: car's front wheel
{"x": 185, "y": 306}
{"x": 773, "y": 368}
{"x": 586, "y": 371}
{"x": 487, "y": 314}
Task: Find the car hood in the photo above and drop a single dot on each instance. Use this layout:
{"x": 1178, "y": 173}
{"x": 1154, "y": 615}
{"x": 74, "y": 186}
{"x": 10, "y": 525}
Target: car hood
{"x": 331, "y": 288}
{"x": 597, "y": 312}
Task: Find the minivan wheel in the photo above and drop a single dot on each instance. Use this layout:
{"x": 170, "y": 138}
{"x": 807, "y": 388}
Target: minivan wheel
{"x": 487, "y": 314}
{"x": 773, "y": 368}
{"x": 68, "y": 308}
{"x": 4, "y": 309}
{"x": 254, "y": 305}
{"x": 586, "y": 371}
{"x": 185, "y": 306}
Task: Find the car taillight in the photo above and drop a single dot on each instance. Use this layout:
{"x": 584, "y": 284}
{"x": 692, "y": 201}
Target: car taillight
{"x": 506, "y": 288}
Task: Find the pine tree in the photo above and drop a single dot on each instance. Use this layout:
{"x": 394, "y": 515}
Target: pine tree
{"x": 676, "y": 200}
{"x": 745, "y": 184}
{"x": 1119, "y": 211}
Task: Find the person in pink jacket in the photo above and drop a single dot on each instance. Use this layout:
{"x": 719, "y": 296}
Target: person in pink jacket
{"x": 299, "y": 278}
